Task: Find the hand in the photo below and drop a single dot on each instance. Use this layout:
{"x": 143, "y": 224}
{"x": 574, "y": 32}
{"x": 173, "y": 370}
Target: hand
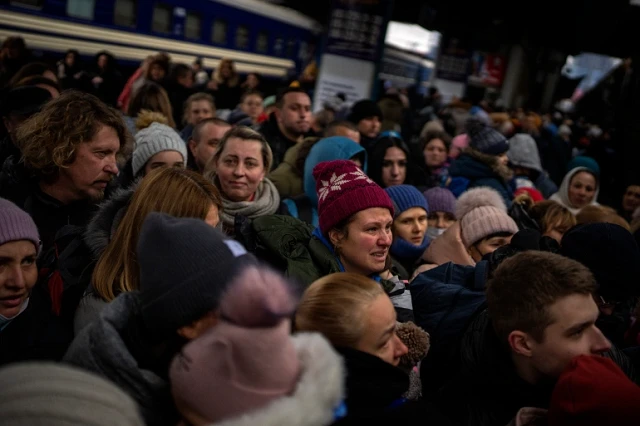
{"x": 212, "y": 85}
{"x": 97, "y": 80}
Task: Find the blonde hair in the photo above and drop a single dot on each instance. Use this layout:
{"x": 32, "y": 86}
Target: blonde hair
{"x": 200, "y": 96}
{"x": 147, "y": 118}
{"x": 234, "y": 79}
{"x": 547, "y": 214}
{"x": 335, "y": 306}
{"x": 246, "y": 134}
{"x": 601, "y": 214}
{"x": 177, "y": 192}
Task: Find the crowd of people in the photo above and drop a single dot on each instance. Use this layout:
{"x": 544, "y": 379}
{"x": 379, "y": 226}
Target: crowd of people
{"x": 179, "y": 249}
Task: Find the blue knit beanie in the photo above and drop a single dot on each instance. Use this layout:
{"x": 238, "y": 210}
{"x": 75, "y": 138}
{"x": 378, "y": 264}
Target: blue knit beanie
{"x": 405, "y": 197}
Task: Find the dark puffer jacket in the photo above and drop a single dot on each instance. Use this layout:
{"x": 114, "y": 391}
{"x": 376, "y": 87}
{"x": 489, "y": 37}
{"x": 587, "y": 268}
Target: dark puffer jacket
{"x": 482, "y": 170}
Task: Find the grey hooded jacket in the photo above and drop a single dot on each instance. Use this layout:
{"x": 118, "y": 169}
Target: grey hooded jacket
{"x": 101, "y": 349}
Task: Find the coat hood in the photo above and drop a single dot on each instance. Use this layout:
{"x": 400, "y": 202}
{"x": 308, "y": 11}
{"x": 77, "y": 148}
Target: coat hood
{"x": 101, "y": 349}
{"x": 523, "y": 152}
{"x": 319, "y": 393}
{"x": 104, "y": 223}
{"x": 562, "y": 196}
{"x": 328, "y": 149}
{"x": 473, "y": 164}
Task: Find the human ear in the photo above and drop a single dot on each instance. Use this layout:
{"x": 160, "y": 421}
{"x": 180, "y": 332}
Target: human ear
{"x": 520, "y": 343}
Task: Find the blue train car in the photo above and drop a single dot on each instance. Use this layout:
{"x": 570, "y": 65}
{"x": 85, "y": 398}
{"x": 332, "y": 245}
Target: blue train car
{"x": 259, "y": 37}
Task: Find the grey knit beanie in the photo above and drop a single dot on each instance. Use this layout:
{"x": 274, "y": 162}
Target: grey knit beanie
{"x": 185, "y": 267}
{"x": 44, "y": 393}
{"x": 152, "y": 140}
{"x": 523, "y": 152}
{"x": 485, "y": 138}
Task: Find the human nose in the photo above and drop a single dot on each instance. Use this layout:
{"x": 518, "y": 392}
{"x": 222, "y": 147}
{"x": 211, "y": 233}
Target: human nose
{"x": 400, "y": 348}
{"x": 385, "y": 238}
{"x": 112, "y": 166}
{"x": 601, "y": 344}
{"x": 15, "y": 277}
{"x": 239, "y": 170}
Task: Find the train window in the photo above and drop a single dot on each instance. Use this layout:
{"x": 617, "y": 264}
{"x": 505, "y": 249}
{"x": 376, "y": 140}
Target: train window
{"x": 161, "y": 21}
{"x": 125, "y": 13}
{"x": 192, "y": 26}
{"x": 262, "y": 42}
{"x": 278, "y": 46}
{"x": 219, "y": 31}
{"x": 291, "y": 47}
{"x": 37, "y": 4}
{"x": 242, "y": 37}
{"x": 80, "y": 8}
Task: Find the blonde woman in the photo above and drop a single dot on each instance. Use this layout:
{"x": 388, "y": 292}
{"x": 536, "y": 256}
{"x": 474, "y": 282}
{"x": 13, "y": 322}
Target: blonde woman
{"x": 239, "y": 169}
{"x": 357, "y": 317}
{"x": 226, "y": 85}
{"x": 113, "y": 233}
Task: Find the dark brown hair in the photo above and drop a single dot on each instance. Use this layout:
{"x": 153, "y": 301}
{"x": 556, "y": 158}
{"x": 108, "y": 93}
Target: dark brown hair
{"x": 151, "y": 97}
{"x": 524, "y": 286}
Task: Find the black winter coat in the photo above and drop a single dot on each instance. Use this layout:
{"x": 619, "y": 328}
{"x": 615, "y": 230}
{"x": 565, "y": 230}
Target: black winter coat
{"x": 374, "y": 392}
{"x": 488, "y": 391}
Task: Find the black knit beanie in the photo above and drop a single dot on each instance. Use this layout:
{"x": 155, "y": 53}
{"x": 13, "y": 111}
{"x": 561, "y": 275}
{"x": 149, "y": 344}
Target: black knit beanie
{"x": 612, "y": 255}
{"x": 185, "y": 266}
{"x": 364, "y": 109}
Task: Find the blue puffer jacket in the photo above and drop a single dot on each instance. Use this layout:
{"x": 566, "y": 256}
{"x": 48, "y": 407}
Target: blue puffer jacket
{"x": 480, "y": 173}
{"x": 445, "y": 301}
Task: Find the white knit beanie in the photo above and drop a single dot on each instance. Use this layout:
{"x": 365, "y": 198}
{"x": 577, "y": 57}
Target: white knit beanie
{"x": 154, "y": 139}
{"x": 39, "y": 393}
{"x": 482, "y": 212}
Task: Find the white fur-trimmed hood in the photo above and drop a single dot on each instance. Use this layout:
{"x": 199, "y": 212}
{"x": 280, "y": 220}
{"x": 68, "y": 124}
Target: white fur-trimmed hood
{"x": 319, "y": 392}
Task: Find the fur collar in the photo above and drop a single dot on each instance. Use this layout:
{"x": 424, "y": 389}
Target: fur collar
{"x": 319, "y": 392}
{"x": 491, "y": 161}
{"x": 106, "y": 220}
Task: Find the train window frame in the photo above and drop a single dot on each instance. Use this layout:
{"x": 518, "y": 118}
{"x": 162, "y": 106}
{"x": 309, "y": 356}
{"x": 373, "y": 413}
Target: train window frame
{"x": 165, "y": 8}
{"x": 131, "y": 21}
{"x": 198, "y": 34}
{"x": 215, "y": 24}
{"x": 88, "y": 17}
{"x": 246, "y": 37}
{"x": 27, "y": 4}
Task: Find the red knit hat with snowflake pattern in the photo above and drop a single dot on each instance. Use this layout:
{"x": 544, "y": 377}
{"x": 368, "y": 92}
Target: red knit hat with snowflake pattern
{"x": 344, "y": 190}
